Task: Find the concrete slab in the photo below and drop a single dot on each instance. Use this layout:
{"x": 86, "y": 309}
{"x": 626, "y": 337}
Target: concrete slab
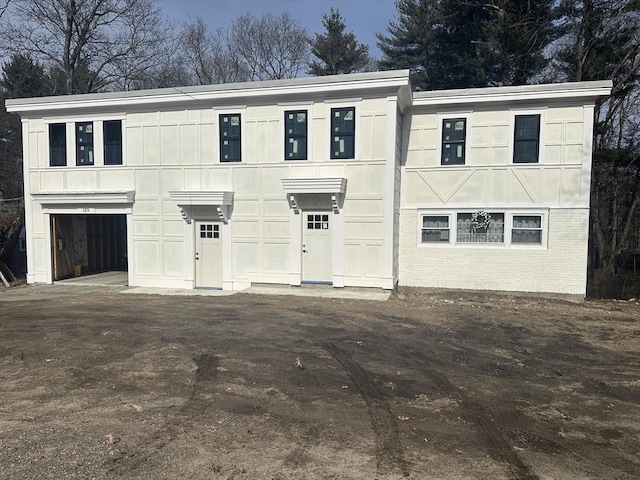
{"x": 321, "y": 291}
{"x": 98, "y": 279}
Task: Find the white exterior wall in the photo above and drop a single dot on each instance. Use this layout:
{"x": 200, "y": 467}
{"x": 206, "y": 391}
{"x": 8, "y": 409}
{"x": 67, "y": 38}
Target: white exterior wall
{"x": 175, "y": 150}
{"x": 560, "y": 268}
{"x": 557, "y": 187}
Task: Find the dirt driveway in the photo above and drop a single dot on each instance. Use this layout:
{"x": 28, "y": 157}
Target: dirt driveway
{"x": 100, "y": 384}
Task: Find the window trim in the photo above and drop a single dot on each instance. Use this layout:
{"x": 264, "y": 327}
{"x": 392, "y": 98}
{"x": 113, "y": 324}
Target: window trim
{"x": 354, "y": 103}
{"x": 239, "y": 110}
{"x": 541, "y": 135}
{"x": 98, "y": 139}
{"x": 466, "y": 115}
{"x": 509, "y": 214}
{"x": 292, "y": 109}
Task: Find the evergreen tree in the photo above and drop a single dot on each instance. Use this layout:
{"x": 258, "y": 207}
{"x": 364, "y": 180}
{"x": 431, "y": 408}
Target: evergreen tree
{"x": 453, "y": 44}
{"x": 23, "y": 77}
{"x": 336, "y": 51}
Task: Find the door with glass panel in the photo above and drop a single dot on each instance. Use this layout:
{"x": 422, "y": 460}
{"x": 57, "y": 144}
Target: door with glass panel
{"x": 316, "y": 248}
{"x": 208, "y": 255}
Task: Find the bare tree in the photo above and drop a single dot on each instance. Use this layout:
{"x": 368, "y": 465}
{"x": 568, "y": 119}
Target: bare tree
{"x": 91, "y": 45}
{"x": 4, "y": 5}
{"x": 272, "y": 47}
{"x": 209, "y": 57}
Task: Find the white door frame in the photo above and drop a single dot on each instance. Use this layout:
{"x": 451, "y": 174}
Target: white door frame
{"x": 337, "y": 246}
{"x": 190, "y": 250}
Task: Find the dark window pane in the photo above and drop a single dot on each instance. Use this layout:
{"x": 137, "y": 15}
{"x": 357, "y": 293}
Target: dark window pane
{"x": 526, "y": 236}
{"x": 230, "y": 138}
{"x": 112, "y": 142}
{"x": 343, "y": 123}
{"x": 453, "y": 141}
{"x": 526, "y": 139}
{"x": 84, "y": 143}
{"x": 57, "y": 144}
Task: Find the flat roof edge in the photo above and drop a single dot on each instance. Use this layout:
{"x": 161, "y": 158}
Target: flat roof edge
{"x": 356, "y": 81}
{"x": 547, "y": 91}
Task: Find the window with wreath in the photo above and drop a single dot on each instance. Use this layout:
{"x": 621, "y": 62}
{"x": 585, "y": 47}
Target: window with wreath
{"x": 480, "y": 227}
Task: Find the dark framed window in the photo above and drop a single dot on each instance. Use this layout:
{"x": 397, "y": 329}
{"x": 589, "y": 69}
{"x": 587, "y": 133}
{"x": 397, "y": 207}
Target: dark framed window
{"x": 454, "y": 131}
{"x": 230, "y": 138}
{"x": 57, "y": 144}
{"x": 343, "y": 130}
{"x": 112, "y": 133}
{"x": 84, "y": 143}
{"x": 295, "y": 135}
{"x": 526, "y": 144}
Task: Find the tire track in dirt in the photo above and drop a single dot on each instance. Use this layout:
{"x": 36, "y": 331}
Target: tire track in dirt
{"x": 206, "y": 375}
{"x": 389, "y": 452}
{"x": 475, "y": 413}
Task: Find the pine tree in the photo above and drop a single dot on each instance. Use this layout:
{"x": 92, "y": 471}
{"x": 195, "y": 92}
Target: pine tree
{"x": 475, "y": 43}
{"x": 337, "y": 52}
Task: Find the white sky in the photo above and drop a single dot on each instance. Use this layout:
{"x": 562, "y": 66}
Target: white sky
{"x": 362, "y": 17}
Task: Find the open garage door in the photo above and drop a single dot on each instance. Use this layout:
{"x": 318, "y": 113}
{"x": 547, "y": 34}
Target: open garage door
{"x": 86, "y": 244}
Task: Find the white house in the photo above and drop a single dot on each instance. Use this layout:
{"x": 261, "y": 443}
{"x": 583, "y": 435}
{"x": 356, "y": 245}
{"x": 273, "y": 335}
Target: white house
{"x": 347, "y": 180}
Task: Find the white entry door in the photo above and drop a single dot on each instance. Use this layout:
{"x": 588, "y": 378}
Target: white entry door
{"x": 317, "y": 264}
{"x": 208, "y": 255}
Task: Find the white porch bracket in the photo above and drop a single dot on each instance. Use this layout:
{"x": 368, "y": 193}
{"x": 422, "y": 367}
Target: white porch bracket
{"x": 293, "y": 205}
{"x": 203, "y": 204}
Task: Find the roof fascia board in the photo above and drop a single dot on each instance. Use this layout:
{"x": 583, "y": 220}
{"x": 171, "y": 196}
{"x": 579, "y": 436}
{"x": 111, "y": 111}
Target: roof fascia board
{"x": 533, "y": 93}
{"x": 187, "y": 95}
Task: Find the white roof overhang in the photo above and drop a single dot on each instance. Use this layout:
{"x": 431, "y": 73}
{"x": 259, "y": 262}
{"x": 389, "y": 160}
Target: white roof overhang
{"x": 336, "y": 187}
{"x": 191, "y": 201}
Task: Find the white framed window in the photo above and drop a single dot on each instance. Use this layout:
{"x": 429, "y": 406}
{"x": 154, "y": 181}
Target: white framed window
{"x": 480, "y": 227}
{"x": 526, "y": 229}
{"x": 526, "y": 144}
{"x": 436, "y": 229}
{"x": 85, "y": 141}
{"x": 493, "y": 227}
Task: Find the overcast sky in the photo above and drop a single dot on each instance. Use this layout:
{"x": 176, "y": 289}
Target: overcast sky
{"x": 363, "y": 17}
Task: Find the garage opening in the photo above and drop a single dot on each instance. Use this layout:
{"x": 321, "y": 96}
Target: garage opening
{"x": 88, "y": 244}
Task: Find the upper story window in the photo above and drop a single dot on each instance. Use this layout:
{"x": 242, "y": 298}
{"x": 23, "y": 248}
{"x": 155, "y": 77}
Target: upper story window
{"x": 295, "y": 135}
{"x": 84, "y": 143}
{"x": 112, "y": 135}
{"x": 343, "y": 130}
{"x": 57, "y": 144}
{"x": 230, "y": 138}
{"x": 526, "y": 144}
{"x": 454, "y": 131}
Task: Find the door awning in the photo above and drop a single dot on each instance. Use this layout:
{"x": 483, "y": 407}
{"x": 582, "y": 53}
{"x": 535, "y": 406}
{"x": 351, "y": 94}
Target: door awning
{"x": 191, "y": 201}
{"x": 335, "y": 187}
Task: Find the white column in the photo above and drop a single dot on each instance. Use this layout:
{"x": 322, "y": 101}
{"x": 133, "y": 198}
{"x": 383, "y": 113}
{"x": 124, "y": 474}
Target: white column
{"x": 388, "y": 280}
{"x": 338, "y": 249}
{"x": 295, "y": 275}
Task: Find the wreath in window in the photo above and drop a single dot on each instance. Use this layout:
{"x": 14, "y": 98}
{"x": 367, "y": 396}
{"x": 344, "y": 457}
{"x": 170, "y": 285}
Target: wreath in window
{"x": 480, "y": 219}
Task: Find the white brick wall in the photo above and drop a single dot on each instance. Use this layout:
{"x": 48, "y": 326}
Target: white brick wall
{"x": 560, "y": 268}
